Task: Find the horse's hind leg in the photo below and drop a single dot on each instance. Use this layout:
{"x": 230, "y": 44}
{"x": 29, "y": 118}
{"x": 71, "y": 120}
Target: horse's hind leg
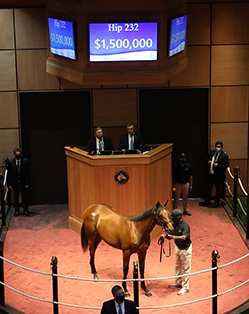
{"x": 93, "y": 244}
{"x": 141, "y": 258}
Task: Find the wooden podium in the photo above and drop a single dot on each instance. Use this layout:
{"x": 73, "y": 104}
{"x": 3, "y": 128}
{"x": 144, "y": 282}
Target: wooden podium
{"x": 128, "y": 183}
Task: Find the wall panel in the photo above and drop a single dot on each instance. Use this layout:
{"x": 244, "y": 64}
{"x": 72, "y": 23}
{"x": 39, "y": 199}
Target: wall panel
{"x": 8, "y": 110}
{"x": 230, "y": 23}
{"x": 9, "y": 139}
{"x": 234, "y": 137}
{"x": 33, "y": 62}
{"x": 30, "y": 28}
{"x": 7, "y": 30}
{"x": 114, "y": 107}
{"x": 230, "y": 65}
{"x": 8, "y": 71}
{"x": 229, "y": 104}
{"x": 198, "y": 25}
{"x": 197, "y": 70}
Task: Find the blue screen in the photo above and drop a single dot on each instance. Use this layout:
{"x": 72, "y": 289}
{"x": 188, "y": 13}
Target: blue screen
{"x": 178, "y": 35}
{"x": 123, "y": 41}
{"x": 61, "y": 38}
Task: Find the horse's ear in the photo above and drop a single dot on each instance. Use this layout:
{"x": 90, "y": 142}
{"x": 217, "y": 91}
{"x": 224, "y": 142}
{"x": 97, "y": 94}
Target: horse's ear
{"x": 157, "y": 204}
{"x": 165, "y": 203}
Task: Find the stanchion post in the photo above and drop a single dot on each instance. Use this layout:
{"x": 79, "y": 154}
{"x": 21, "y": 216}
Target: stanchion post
{"x": 235, "y": 191}
{"x": 2, "y": 200}
{"x": 247, "y": 217}
{"x": 55, "y": 283}
{"x": 135, "y": 285}
{"x": 2, "y": 297}
{"x": 215, "y": 256}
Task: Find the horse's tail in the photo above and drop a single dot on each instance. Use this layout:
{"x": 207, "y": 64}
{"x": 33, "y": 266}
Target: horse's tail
{"x": 84, "y": 239}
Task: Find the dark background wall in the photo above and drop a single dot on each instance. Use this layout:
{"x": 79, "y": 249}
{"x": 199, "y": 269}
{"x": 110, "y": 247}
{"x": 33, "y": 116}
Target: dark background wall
{"x": 50, "y": 121}
{"x": 178, "y": 116}
{"x": 217, "y": 60}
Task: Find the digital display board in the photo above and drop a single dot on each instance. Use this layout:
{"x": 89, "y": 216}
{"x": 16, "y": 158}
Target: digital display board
{"x": 122, "y": 42}
{"x": 61, "y": 36}
{"x": 178, "y": 35}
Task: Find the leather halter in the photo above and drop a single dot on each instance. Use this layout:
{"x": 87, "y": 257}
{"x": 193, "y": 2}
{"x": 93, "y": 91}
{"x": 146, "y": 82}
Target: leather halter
{"x": 158, "y": 222}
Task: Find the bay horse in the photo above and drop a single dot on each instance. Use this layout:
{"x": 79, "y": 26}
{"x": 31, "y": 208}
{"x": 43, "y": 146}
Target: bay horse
{"x": 131, "y": 234}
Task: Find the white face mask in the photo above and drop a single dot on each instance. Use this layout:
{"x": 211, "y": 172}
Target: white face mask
{"x": 218, "y": 149}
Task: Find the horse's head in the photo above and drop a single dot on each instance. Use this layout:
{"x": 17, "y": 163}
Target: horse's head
{"x": 162, "y": 217}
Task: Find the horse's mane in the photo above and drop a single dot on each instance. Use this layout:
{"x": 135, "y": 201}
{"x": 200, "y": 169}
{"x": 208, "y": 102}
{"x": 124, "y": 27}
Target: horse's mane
{"x": 108, "y": 206}
{"x": 144, "y": 214}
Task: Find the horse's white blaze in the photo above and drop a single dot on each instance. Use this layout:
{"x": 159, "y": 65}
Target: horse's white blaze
{"x": 93, "y": 214}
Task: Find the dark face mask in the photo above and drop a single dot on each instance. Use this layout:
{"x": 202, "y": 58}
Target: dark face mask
{"x": 120, "y": 298}
{"x": 18, "y": 156}
{"x": 176, "y": 221}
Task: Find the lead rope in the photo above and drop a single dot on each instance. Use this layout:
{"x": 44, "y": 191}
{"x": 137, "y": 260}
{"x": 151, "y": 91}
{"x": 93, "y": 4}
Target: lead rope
{"x": 162, "y": 251}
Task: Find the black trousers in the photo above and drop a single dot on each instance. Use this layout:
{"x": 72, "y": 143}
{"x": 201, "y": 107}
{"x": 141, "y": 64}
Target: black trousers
{"x": 24, "y": 194}
{"x": 219, "y": 188}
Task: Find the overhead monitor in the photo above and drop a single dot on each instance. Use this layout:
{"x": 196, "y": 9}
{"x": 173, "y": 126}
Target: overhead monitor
{"x": 122, "y": 41}
{"x": 61, "y": 38}
{"x": 178, "y": 30}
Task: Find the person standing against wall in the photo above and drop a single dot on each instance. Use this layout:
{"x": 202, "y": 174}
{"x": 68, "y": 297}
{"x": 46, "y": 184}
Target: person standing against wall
{"x": 218, "y": 162}
{"x": 183, "y": 182}
{"x": 18, "y": 180}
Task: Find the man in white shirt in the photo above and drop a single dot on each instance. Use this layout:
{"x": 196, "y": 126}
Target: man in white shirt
{"x": 99, "y": 143}
{"x": 218, "y": 162}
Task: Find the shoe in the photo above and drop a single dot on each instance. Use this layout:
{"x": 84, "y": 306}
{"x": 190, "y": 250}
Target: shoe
{"x": 16, "y": 213}
{"x": 204, "y": 203}
{"x": 216, "y": 205}
{"x": 186, "y": 212}
{"x": 183, "y": 291}
{"x": 174, "y": 285}
{"x": 26, "y": 213}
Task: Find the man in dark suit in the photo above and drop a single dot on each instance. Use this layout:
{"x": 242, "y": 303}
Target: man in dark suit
{"x": 218, "y": 162}
{"x": 18, "y": 180}
{"x": 131, "y": 140}
{"x": 118, "y": 305}
{"x": 99, "y": 142}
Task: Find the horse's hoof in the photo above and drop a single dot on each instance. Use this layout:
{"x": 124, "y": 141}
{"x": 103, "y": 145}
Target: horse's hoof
{"x": 127, "y": 294}
{"x": 95, "y": 277}
{"x": 148, "y": 293}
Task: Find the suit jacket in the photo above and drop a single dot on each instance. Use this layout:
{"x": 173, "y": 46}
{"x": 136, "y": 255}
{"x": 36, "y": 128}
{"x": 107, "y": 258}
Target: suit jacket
{"x": 223, "y": 163}
{"x": 138, "y": 142}
{"x": 91, "y": 144}
{"x": 109, "y": 307}
{"x": 14, "y": 178}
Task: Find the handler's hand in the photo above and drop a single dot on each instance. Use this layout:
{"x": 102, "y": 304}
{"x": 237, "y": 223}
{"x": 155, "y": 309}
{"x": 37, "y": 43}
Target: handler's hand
{"x": 169, "y": 236}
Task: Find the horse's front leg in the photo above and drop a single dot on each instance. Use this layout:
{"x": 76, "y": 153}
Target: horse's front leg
{"x": 141, "y": 258}
{"x": 126, "y": 260}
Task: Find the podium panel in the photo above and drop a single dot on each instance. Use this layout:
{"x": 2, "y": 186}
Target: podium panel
{"x": 128, "y": 183}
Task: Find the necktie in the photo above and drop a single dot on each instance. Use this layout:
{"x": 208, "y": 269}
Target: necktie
{"x": 100, "y": 146}
{"x": 119, "y": 309}
{"x": 132, "y": 142}
{"x": 18, "y": 166}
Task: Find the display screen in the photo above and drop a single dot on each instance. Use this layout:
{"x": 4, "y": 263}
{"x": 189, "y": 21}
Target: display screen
{"x": 122, "y": 42}
{"x": 61, "y": 37}
{"x": 178, "y": 35}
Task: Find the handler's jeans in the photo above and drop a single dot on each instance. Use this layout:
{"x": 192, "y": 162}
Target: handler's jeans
{"x": 183, "y": 265}
{"x": 181, "y": 189}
